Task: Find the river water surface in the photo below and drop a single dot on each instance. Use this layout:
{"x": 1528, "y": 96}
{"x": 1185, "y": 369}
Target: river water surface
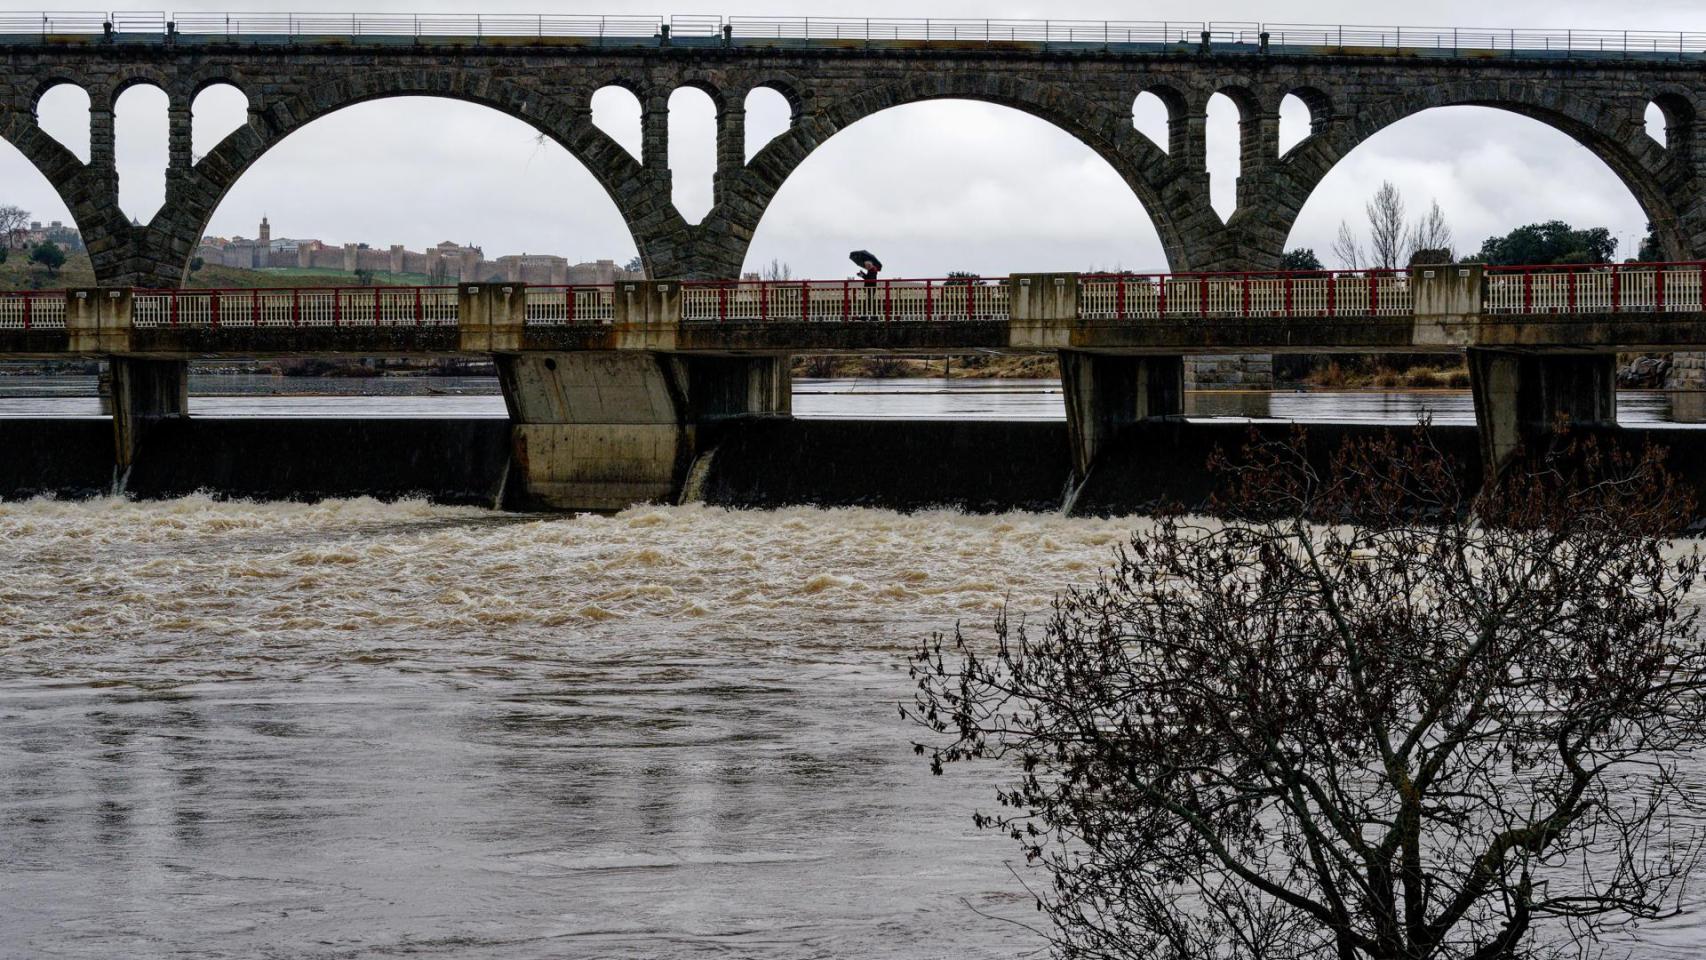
{"x": 352, "y": 729}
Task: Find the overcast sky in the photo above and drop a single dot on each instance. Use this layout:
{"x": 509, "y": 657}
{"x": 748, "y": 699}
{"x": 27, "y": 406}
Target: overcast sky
{"x": 931, "y": 187}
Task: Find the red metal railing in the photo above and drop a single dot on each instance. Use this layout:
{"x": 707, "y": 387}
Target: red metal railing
{"x": 932, "y": 299}
{"x": 32, "y": 309}
{"x": 1596, "y": 288}
{"x": 1323, "y": 293}
{"x": 297, "y": 307}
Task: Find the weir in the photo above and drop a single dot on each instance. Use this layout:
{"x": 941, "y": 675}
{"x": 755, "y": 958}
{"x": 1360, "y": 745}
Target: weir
{"x": 616, "y": 392}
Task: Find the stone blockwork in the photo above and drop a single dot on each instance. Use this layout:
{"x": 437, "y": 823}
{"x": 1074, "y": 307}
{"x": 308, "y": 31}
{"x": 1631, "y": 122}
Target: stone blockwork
{"x": 1248, "y": 371}
{"x": 1089, "y": 94}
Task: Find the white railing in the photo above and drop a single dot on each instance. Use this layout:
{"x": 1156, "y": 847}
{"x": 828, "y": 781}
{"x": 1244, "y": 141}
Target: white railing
{"x": 1276, "y": 38}
{"x": 313, "y": 307}
{"x": 821, "y": 301}
{"x": 32, "y": 310}
{"x": 1373, "y": 293}
{"x": 258, "y": 25}
{"x": 567, "y": 306}
{"x": 1609, "y": 288}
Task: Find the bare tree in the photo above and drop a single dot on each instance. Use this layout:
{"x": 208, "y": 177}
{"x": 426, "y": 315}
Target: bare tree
{"x": 776, "y": 270}
{"x": 1346, "y": 249}
{"x": 1367, "y": 716}
{"x": 1387, "y": 228}
{"x": 13, "y": 220}
{"x": 1431, "y": 237}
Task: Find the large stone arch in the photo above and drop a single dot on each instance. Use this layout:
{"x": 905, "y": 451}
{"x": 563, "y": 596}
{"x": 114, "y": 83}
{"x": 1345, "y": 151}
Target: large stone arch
{"x": 1609, "y": 128}
{"x": 1173, "y": 203}
{"x": 194, "y": 193}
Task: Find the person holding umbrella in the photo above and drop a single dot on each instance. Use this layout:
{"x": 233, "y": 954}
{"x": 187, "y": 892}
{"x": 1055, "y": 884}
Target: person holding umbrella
{"x": 869, "y": 267}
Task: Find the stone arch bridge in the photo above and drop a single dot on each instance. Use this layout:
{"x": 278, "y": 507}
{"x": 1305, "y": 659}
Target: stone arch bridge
{"x": 544, "y": 71}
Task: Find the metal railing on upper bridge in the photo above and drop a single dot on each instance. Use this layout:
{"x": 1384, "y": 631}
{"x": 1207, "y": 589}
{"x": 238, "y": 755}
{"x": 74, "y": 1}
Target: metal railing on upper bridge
{"x": 1582, "y": 290}
{"x": 1134, "y": 35}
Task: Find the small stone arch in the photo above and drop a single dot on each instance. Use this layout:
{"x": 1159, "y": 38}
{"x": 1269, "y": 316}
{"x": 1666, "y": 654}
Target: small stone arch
{"x": 695, "y": 81}
{"x": 788, "y": 87}
{"x": 1319, "y": 105}
{"x": 1680, "y": 113}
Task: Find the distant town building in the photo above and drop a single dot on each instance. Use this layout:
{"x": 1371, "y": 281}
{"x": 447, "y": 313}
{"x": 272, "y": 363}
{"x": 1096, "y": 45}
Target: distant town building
{"x": 56, "y": 233}
{"x": 448, "y": 262}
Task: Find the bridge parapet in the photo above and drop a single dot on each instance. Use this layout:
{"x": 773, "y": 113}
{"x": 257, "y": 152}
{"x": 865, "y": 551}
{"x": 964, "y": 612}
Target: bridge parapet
{"x": 1611, "y": 307}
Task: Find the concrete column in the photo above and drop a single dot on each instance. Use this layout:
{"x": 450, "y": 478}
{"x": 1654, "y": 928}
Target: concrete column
{"x": 607, "y": 430}
{"x": 491, "y": 317}
{"x": 1105, "y": 393}
{"x": 1521, "y": 397}
{"x": 145, "y": 391}
{"x": 97, "y": 321}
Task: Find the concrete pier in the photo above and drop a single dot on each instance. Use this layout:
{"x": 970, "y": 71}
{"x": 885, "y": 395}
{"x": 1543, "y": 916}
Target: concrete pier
{"x": 1520, "y": 398}
{"x": 607, "y": 430}
{"x": 1106, "y": 393}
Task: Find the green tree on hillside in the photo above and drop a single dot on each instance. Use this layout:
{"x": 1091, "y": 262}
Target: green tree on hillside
{"x": 49, "y": 256}
{"x": 1551, "y": 242}
{"x": 1303, "y": 258}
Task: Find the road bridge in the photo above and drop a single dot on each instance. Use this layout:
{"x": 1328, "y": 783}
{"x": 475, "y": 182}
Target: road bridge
{"x": 608, "y": 386}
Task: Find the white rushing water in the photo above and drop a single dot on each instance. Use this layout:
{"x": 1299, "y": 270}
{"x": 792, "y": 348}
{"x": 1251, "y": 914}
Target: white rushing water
{"x": 355, "y": 729}
{"x": 239, "y": 730}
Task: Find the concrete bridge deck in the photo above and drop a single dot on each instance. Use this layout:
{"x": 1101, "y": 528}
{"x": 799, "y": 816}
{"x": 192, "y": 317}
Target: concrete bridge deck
{"x": 1600, "y": 308}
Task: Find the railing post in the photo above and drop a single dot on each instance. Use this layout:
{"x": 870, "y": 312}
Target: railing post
{"x": 337, "y": 307}
{"x": 1161, "y": 296}
{"x": 419, "y": 312}
{"x": 763, "y": 300}
{"x": 846, "y": 301}
{"x": 295, "y": 307}
{"x": 569, "y": 304}
{"x": 1570, "y": 297}
{"x": 1528, "y": 291}
{"x": 805, "y": 300}
{"x": 1374, "y": 294}
{"x": 929, "y": 301}
{"x": 1332, "y": 294}
{"x": 173, "y": 299}
{"x": 1244, "y": 307}
{"x": 1119, "y": 298}
{"x": 27, "y": 310}
{"x": 1659, "y": 289}
{"x": 888, "y": 300}
{"x": 213, "y": 308}
{"x": 1288, "y": 280}
{"x": 1616, "y": 288}
{"x": 1202, "y": 293}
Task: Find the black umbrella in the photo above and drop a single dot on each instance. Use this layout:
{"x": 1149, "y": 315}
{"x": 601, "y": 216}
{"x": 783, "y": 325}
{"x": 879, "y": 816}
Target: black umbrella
{"x": 861, "y": 257}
